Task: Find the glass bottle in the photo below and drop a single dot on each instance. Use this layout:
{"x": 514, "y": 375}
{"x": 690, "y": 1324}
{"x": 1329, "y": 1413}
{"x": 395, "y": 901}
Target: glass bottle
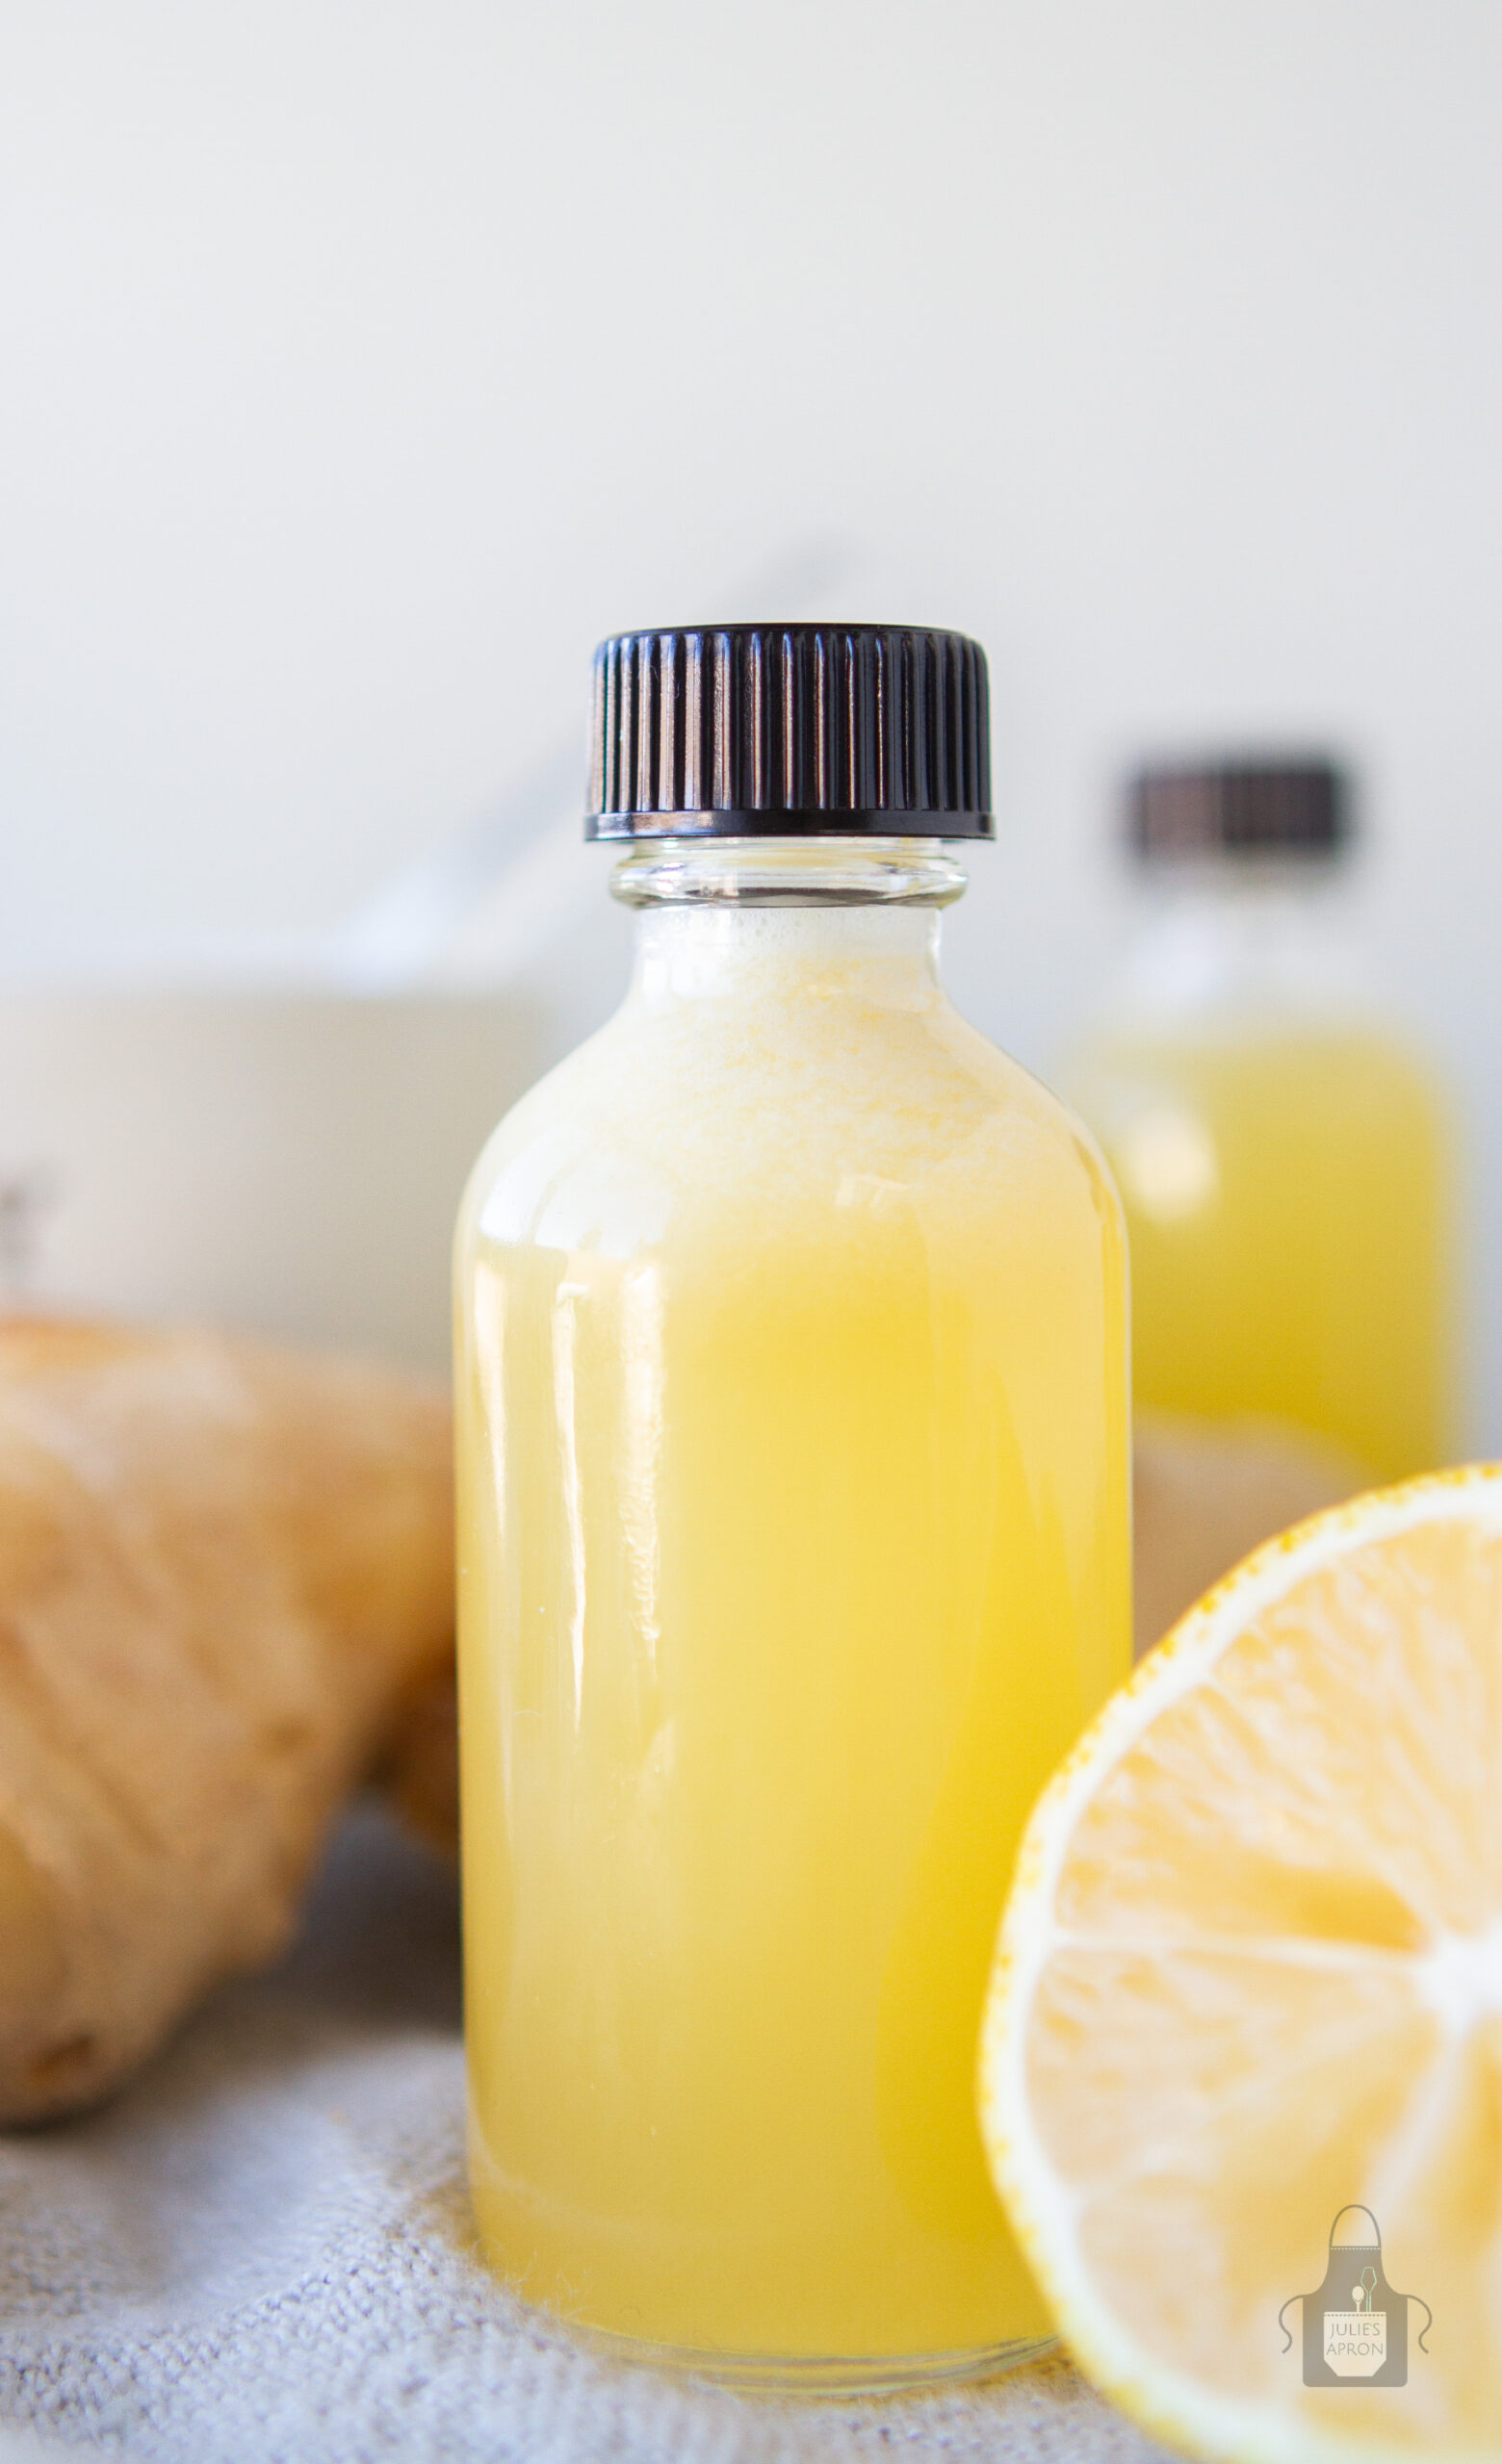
{"x": 794, "y": 1540}
{"x": 1280, "y": 1154}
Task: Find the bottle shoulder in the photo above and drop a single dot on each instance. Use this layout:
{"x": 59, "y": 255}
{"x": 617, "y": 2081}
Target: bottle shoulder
{"x": 664, "y": 1125}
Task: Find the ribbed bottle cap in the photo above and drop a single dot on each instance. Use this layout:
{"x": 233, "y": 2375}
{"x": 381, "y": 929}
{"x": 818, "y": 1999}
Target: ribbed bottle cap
{"x": 1241, "y": 809}
{"x": 791, "y": 731}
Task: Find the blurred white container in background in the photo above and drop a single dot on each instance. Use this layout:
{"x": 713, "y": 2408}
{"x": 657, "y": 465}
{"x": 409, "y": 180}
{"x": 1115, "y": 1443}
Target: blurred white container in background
{"x": 285, "y": 1160}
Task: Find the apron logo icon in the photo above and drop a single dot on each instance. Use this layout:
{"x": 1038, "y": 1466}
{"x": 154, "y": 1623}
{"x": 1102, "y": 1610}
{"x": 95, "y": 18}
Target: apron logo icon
{"x": 1354, "y": 2326}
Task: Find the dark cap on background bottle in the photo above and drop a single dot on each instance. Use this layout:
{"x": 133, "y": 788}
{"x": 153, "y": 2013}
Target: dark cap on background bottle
{"x": 1241, "y": 809}
{"x": 791, "y": 731}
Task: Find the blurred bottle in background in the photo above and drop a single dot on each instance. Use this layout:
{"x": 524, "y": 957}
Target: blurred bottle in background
{"x": 1283, "y": 1158}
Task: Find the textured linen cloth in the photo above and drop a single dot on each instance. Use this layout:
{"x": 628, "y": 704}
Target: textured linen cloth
{"x": 260, "y": 2253}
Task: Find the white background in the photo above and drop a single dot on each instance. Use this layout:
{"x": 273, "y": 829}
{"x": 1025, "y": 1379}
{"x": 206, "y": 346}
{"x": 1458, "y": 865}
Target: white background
{"x": 361, "y": 363}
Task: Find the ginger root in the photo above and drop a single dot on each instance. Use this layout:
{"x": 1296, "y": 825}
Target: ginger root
{"x": 419, "y": 1773}
{"x": 223, "y": 1567}
{"x": 1205, "y": 1494}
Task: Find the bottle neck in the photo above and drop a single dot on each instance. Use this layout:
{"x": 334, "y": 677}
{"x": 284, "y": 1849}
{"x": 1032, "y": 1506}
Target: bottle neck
{"x": 772, "y": 919}
{"x": 1262, "y": 935}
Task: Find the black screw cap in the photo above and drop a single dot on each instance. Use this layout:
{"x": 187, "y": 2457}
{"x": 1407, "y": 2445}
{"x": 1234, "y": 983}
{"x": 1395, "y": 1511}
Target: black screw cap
{"x": 1241, "y": 809}
{"x": 789, "y": 731}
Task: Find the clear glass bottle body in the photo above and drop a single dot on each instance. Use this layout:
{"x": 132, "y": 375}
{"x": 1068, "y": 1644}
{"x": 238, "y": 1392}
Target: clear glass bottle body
{"x": 793, "y": 1553}
{"x": 1283, "y": 1163}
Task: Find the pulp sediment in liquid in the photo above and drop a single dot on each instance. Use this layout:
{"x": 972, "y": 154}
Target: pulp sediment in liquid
{"x": 794, "y": 1465}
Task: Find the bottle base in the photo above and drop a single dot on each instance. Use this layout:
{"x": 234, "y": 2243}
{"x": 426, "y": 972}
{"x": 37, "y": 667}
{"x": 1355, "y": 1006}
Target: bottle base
{"x": 814, "y": 2375}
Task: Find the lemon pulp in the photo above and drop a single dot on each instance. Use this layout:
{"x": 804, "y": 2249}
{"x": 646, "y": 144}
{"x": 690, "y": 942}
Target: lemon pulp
{"x": 1250, "y": 1973}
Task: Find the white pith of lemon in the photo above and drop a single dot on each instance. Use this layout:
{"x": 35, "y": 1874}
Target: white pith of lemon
{"x": 1251, "y": 1970}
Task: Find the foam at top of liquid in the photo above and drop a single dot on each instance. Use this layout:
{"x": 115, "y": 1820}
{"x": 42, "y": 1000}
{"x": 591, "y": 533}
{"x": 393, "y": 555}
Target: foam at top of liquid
{"x": 766, "y": 1062}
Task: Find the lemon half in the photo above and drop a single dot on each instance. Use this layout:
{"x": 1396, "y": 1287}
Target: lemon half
{"x": 1251, "y": 1971}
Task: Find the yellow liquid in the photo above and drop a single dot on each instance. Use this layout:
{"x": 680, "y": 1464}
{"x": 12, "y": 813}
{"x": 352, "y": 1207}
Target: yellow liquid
{"x": 1285, "y": 1198}
{"x": 793, "y": 1552}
